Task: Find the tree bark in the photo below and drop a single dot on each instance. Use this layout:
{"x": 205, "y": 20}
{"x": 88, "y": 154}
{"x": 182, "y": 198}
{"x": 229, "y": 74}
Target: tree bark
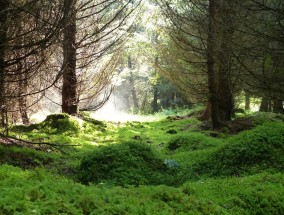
{"x": 155, "y": 91}
{"x": 278, "y": 106}
{"x": 131, "y": 82}
{"x": 3, "y": 43}
{"x": 206, "y": 113}
{"x": 22, "y": 101}
{"x": 264, "y": 105}
{"x": 155, "y": 99}
{"x": 225, "y": 100}
{"x": 127, "y": 103}
{"x": 211, "y": 72}
{"x": 69, "y": 88}
{"x": 247, "y": 100}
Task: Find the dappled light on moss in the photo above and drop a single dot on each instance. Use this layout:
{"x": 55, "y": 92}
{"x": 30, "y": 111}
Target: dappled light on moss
{"x": 138, "y": 167}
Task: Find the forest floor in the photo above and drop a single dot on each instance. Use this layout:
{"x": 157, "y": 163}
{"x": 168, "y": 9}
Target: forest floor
{"x": 167, "y": 165}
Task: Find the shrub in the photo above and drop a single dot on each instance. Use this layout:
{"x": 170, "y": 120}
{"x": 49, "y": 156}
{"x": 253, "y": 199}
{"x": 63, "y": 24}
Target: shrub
{"x": 251, "y": 151}
{"x": 129, "y": 163}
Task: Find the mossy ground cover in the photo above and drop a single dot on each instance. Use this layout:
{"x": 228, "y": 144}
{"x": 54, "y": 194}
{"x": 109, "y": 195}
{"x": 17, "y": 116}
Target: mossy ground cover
{"x": 166, "y": 166}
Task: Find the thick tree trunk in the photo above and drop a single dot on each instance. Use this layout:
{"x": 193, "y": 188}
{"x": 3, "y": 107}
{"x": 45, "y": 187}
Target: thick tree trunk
{"x": 225, "y": 100}
{"x": 3, "y": 43}
{"x": 278, "y": 106}
{"x": 211, "y": 72}
{"x": 206, "y": 113}
{"x": 264, "y": 105}
{"x": 69, "y": 88}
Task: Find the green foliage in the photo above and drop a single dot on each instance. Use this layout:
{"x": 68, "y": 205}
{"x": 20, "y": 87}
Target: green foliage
{"x": 248, "y": 152}
{"x": 124, "y": 164}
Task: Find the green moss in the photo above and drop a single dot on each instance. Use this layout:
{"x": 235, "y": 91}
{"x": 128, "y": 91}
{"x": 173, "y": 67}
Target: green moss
{"x": 124, "y": 164}
{"x": 260, "y": 118}
{"x": 161, "y": 173}
{"x": 24, "y": 128}
{"x": 60, "y": 123}
{"x": 191, "y": 141}
{"x": 39, "y": 192}
{"x": 24, "y": 157}
{"x": 251, "y": 151}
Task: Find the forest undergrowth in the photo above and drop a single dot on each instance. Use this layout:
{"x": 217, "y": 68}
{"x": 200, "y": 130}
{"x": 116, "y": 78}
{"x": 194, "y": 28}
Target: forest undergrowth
{"x": 171, "y": 165}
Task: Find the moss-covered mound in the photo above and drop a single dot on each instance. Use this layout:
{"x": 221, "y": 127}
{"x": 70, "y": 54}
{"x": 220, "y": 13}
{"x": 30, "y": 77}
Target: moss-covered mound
{"x": 59, "y": 123}
{"x": 191, "y": 141}
{"x": 124, "y": 164}
{"x": 251, "y": 151}
{"x": 54, "y": 123}
{"x": 260, "y": 118}
{"x": 23, "y": 157}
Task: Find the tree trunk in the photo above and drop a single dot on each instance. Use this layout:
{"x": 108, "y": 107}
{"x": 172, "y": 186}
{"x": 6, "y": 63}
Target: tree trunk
{"x": 206, "y": 113}
{"x": 155, "y": 91}
{"x": 270, "y": 105}
{"x": 278, "y": 106}
{"x": 174, "y": 99}
{"x": 155, "y": 99}
{"x": 22, "y": 101}
{"x": 144, "y": 103}
{"x": 247, "y": 100}
{"x": 264, "y": 105}
{"x": 211, "y": 72}
{"x": 225, "y": 100}
{"x": 127, "y": 103}
{"x": 134, "y": 95}
{"x": 3, "y": 42}
{"x": 69, "y": 88}
{"x": 131, "y": 82}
